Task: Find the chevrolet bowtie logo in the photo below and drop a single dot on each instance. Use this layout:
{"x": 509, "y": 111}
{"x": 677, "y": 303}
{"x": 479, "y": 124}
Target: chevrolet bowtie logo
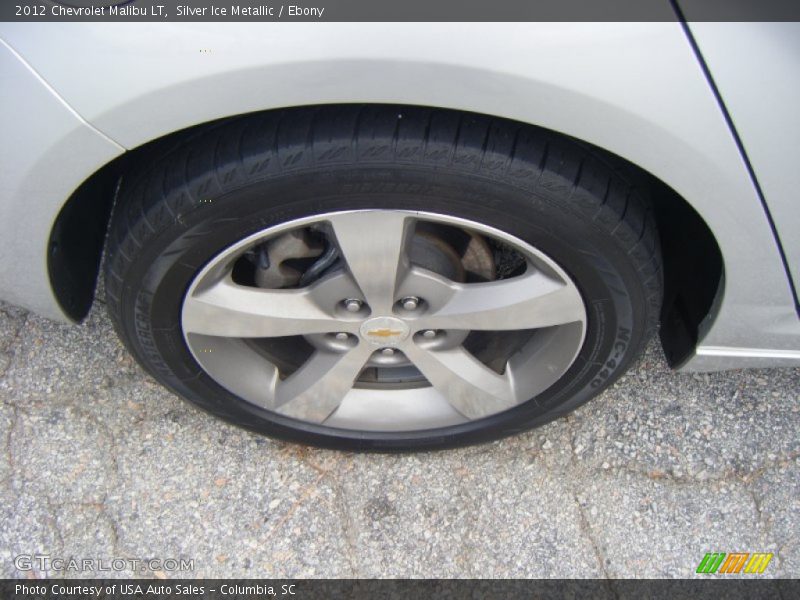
{"x": 384, "y": 333}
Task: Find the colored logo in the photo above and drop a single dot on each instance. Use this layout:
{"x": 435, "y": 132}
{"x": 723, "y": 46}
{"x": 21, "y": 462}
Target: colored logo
{"x": 736, "y": 562}
{"x": 384, "y": 331}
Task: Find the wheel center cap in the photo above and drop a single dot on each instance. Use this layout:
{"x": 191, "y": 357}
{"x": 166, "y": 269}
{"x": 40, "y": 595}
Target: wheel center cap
{"x": 384, "y": 331}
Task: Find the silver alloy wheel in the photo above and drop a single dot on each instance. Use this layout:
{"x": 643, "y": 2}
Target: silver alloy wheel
{"x": 410, "y": 320}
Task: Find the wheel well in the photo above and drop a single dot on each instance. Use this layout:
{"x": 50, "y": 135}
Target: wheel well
{"x": 693, "y": 267}
{"x": 693, "y": 272}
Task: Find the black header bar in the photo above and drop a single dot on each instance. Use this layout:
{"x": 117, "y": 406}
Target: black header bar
{"x": 395, "y": 10}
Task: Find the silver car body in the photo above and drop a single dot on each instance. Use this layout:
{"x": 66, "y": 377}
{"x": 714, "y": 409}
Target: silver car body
{"x": 75, "y": 96}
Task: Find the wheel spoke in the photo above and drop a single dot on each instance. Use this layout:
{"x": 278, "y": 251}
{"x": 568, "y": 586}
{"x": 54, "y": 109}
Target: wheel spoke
{"x": 470, "y": 386}
{"x": 373, "y": 244}
{"x": 232, "y": 310}
{"x": 316, "y": 389}
{"x": 529, "y": 301}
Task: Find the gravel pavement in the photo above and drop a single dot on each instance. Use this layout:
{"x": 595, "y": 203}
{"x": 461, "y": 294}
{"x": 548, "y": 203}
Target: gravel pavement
{"x": 99, "y": 461}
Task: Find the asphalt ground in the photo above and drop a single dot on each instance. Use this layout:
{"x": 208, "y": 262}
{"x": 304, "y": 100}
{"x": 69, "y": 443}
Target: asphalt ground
{"x": 98, "y": 461}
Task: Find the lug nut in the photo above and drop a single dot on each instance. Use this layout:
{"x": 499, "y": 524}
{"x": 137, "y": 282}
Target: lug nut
{"x": 352, "y": 305}
{"x": 410, "y": 302}
{"x": 388, "y": 351}
{"x": 342, "y": 336}
{"x": 429, "y": 334}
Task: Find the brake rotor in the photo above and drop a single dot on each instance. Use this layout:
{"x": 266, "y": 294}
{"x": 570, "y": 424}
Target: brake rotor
{"x": 433, "y": 252}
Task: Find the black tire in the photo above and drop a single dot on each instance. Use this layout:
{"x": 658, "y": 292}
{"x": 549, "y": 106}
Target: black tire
{"x": 562, "y": 197}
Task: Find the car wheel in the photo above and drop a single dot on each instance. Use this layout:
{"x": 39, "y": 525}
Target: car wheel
{"x": 382, "y": 278}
